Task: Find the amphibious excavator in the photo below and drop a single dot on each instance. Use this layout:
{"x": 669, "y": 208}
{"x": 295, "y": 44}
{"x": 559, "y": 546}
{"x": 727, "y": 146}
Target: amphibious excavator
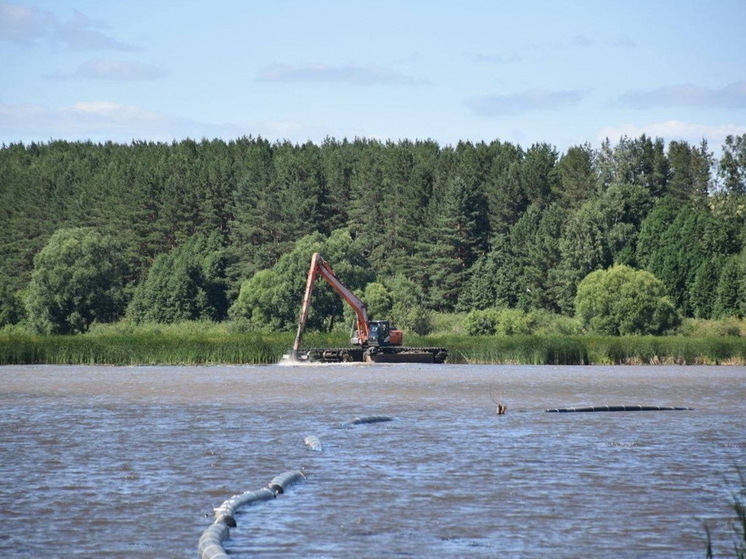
{"x": 372, "y": 340}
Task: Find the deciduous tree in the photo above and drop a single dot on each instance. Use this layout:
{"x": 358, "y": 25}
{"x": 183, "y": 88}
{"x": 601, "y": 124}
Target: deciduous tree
{"x": 79, "y": 277}
{"x": 187, "y": 283}
{"x": 624, "y": 301}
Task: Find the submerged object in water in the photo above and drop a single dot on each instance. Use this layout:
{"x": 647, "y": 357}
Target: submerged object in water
{"x": 313, "y": 443}
{"x": 370, "y": 419}
{"x": 617, "y": 408}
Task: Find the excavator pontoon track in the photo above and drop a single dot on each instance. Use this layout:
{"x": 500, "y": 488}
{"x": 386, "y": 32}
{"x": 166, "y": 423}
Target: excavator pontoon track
{"x": 387, "y": 354}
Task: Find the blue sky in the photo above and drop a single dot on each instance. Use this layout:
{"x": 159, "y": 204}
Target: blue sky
{"x": 521, "y": 71}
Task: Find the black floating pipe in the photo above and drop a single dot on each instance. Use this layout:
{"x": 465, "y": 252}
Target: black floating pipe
{"x": 371, "y": 419}
{"x": 210, "y": 544}
{"x": 617, "y": 408}
{"x": 226, "y": 511}
{"x": 280, "y": 483}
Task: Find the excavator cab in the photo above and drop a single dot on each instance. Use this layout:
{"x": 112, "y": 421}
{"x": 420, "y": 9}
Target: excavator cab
{"x": 381, "y": 333}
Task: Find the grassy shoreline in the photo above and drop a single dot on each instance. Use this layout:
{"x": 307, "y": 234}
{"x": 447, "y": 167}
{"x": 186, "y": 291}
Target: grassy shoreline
{"x": 205, "y": 346}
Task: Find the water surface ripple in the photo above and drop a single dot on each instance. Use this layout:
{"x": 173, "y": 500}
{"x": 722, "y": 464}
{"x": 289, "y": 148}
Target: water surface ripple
{"x": 130, "y": 461}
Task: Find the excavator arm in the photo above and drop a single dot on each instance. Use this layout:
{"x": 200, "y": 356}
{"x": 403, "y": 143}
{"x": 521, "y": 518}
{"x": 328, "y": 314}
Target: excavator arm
{"x": 321, "y": 268}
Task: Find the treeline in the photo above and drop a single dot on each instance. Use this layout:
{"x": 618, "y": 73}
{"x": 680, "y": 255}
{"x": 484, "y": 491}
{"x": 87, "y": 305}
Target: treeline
{"x": 183, "y": 226}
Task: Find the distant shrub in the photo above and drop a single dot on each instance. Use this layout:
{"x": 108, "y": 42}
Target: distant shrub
{"x": 448, "y": 323}
{"x": 515, "y": 322}
{"x": 547, "y": 323}
{"x": 481, "y": 322}
{"x": 698, "y": 328}
{"x": 624, "y": 301}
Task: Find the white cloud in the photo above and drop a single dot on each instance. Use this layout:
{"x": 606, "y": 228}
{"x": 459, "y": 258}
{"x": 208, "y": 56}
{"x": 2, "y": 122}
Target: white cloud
{"x": 82, "y": 33}
{"x": 675, "y": 130}
{"x": 108, "y": 113}
{"x": 326, "y": 73}
{"x": 29, "y": 25}
{"x": 95, "y": 120}
{"x": 495, "y": 59}
{"x": 523, "y": 102}
{"x": 23, "y": 24}
{"x": 731, "y": 96}
{"x": 105, "y": 120}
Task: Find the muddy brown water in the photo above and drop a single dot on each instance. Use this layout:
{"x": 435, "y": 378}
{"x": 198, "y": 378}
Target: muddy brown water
{"x": 130, "y": 461}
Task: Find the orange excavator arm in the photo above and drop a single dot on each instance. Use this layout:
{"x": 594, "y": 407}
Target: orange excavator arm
{"x": 321, "y": 268}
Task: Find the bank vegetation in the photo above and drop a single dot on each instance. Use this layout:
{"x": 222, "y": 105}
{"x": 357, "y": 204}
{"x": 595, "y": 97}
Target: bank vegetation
{"x": 528, "y": 254}
{"x": 209, "y": 343}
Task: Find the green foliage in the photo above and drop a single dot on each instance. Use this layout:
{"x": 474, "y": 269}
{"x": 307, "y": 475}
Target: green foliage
{"x": 473, "y": 226}
{"x": 676, "y": 240}
{"x": 730, "y": 294}
{"x": 690, "y": 169}
{"x": 701, "y": 328}
{"x": 187, "y": 283}
{"x": 126, "y": 343}
{"x": 148, "y": 347}
{"x": 576, "y": 177}
{"x": 378, "y": 300}
{"x": 545, "y": 323}
{"x": 732, "y": 168}
{"x": 272, "y": 298}
{"x": 79, "y": 277}
{"x": 481, "y": 322}
{"x": 407, "y": 309}
{"x": 704, "y": 287}
{"x": 624, "y": 301}
{"x": 516, "y": 322}
{"x": 634, "y": 161}
{"x": 11, "y": 305}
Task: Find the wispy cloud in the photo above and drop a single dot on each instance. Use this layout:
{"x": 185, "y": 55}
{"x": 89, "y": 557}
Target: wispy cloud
{"x": 586, "y": 42}
{"x": 523, "y": 102}
{"x": 29, "y": 25}
{"x": 105, "y": 120}
{"x": 495, "y": 59}
{"x": 23, "y": 24}
{"x": 583, "y": 41}
{"x": 114, "y": 70}
{"x": 82, "y": 33}
{"x": 624, "y": 41}
{"x": 731, "y": 96}
{"x": 327, "y": 73}
{"x": 85, "y": 119}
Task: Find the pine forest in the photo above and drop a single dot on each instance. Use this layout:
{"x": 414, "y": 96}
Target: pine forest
{"x": 215, "y": 230}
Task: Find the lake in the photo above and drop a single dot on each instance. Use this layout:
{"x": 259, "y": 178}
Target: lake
{"x": 130, "y": 461}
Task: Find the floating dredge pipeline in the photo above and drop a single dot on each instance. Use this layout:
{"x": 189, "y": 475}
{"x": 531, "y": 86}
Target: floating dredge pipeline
{"x": 616, "y": 408}
{"x": 210, "y": 544}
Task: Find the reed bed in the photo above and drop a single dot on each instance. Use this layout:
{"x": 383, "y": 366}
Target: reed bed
{"x": 137, "y": 349}
{"x": 208, "y": 345}
{"x": 593, "y": 350}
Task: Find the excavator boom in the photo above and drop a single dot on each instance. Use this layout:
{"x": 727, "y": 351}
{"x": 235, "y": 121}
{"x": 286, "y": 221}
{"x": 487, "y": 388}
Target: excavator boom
{"x": 321, "y": 268}
{"x": 374, "y": 340}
